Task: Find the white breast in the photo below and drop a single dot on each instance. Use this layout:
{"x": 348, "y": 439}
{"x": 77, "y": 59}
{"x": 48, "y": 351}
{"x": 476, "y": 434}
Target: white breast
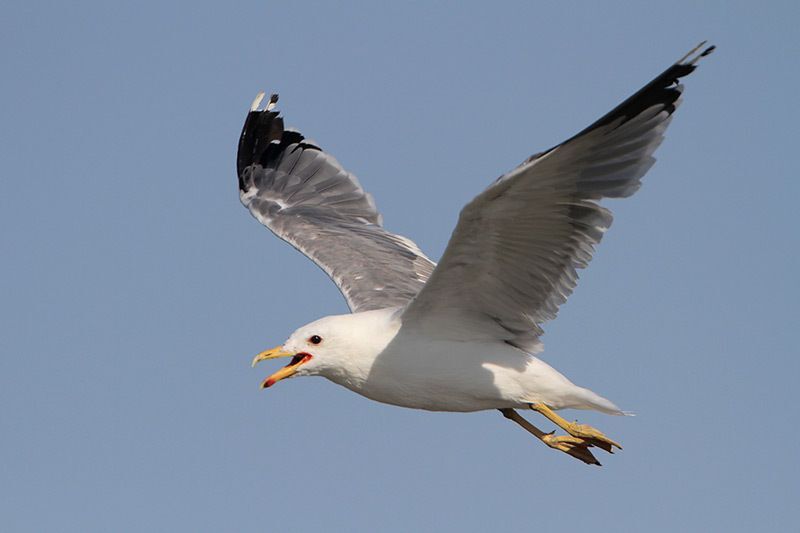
{"x": 407, "y": 368}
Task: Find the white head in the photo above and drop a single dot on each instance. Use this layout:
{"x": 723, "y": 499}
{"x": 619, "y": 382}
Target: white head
{"x": 329, "y": 345}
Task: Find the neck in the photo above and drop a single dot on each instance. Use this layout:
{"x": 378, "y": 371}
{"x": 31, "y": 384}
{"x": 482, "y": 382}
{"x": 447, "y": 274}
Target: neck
{"x": 371, "y": 332}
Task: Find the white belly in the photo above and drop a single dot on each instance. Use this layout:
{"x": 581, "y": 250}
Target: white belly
{"x": 453, "y": 376}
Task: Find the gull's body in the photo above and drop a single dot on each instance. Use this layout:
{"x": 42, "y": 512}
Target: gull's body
{"x": 458, "y": 376}
{"x": 462, "y": 335}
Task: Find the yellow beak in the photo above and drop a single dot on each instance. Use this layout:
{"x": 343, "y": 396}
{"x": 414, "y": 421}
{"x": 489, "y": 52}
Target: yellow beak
{"x": 285, "y": 372}
{"x": 272, "y": 353}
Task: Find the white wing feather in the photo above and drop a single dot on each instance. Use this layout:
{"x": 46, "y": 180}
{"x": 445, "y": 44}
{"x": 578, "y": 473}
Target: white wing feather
{"x": 513, "y": 257}
{"x": 307, "y": 199}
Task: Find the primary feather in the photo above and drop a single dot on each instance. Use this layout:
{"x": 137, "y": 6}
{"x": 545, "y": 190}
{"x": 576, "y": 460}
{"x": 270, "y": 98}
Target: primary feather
{"x": 307, "y": 199}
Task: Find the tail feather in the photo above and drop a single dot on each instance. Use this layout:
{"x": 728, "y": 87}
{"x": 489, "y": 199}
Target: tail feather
{"x": 589, "y": 399}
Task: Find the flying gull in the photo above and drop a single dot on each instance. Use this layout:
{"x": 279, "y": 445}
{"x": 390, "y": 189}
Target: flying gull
{"x": 461, "y": 335}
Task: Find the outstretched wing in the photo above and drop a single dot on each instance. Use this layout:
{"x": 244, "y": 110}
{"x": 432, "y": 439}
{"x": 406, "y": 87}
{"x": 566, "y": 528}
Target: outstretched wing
{"x": 307, "y": 199}
{"x": 513, "y": 256}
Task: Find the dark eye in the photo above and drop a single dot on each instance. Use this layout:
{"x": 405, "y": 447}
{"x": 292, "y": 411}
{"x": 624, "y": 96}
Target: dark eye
{"x": 315, "y": 339}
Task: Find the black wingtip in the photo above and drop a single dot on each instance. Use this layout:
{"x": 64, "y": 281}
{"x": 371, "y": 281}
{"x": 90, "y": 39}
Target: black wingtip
{"x": 264, "y": 137}
{"x": 693, "y": 57}
{"x": 273, "y": 99}
{"x": 262, "y": 128}
{"x": 708, "y": 50}
{"x": 664, "y": 90}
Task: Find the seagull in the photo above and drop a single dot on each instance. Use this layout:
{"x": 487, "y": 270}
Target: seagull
{"x": 464, "y": 334}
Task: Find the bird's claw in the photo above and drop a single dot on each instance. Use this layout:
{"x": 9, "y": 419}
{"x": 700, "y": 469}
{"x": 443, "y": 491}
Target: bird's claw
{"x": 592, "y": 435}
{"x": 574, "y": 446}
{"x": 586, "y": 433}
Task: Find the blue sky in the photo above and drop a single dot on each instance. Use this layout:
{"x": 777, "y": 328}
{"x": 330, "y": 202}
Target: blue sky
{"x": 135, "y": 288}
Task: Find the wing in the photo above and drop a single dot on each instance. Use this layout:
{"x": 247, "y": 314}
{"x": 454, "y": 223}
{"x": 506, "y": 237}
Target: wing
{"x": 307, "y": 199}
{"x": 513, "y": 257}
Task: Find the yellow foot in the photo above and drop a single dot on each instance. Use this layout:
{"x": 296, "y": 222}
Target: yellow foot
{"x": 592, "y": 435}
{"x": 574, "y": 446}
{"x": 587, "y": 433}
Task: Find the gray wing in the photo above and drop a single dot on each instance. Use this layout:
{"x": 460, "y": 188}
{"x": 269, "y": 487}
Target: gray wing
{"x": 307, "y": 199}
{"x": 513, "y": 257}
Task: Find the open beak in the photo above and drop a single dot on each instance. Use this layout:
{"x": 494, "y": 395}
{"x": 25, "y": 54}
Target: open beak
{"x": 285, "y": 372}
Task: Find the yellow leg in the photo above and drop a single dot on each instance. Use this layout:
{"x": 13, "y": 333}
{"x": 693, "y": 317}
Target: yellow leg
{"x": 574, "y": 446}
{"x": 582, "y": 431}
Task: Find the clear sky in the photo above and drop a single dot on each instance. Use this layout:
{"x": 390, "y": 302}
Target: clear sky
{"x": 135, "y": 288}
